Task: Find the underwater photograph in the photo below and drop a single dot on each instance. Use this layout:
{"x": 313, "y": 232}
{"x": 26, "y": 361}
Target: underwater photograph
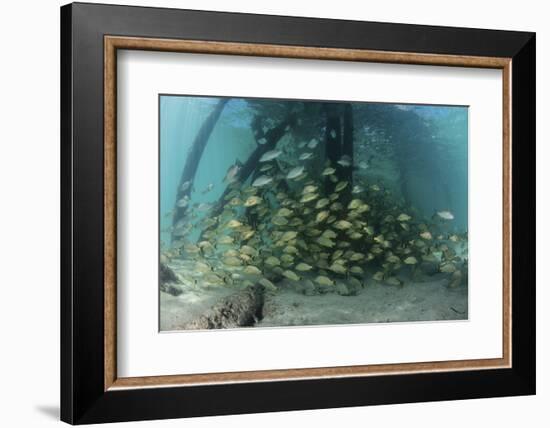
{"x": 281, "y": 212}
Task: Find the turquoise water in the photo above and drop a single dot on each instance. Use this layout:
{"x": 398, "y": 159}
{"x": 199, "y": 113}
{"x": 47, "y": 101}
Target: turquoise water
{"x": 231, "y": 139}
{"x": 434, "y": 149}
{"x": 329, "y": 196}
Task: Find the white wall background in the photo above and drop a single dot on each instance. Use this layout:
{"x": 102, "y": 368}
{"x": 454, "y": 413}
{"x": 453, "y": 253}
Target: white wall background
{"x": 29, "y": 213}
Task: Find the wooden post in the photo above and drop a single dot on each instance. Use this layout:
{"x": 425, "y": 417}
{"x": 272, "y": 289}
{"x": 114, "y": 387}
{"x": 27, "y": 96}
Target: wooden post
{"x": 347, "y": 148}
{"x": 194, "y": 156}
{"x": 272, "y": 136}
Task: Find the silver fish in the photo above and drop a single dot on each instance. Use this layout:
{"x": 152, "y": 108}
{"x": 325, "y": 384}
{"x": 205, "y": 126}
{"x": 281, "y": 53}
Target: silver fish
{"x": 295, "y": 172}
{"x": 446, "y": 215}
{"x": 344, "y": 161}
{"x": 262, "y": 181}
{"x": 204, "y": 206}
{"x": 185, "y": 186}
{"x": 232, "y": 173}
{"x": 305, "y": 156}
{"x": 357, "y": 189}
{"x": 270, "y": 155}
{"x": 208, "y": 188}
{"x": 183, "y": 202}
{"x": 313, "y": 143}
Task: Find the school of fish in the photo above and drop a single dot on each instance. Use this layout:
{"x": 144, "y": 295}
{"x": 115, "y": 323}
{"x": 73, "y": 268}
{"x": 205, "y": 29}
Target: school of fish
{"x": 292, "y": 222}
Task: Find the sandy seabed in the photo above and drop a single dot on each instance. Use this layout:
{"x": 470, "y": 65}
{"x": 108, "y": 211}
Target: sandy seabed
{"x": 429, "y": 300}
{"x": 374, "y": 303}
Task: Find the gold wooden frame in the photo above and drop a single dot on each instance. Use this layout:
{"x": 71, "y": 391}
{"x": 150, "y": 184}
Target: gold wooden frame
{"x": 113, "y": 43}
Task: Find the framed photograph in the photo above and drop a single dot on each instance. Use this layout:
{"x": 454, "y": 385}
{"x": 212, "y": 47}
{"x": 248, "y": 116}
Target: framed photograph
{"x": 266, "y": 213}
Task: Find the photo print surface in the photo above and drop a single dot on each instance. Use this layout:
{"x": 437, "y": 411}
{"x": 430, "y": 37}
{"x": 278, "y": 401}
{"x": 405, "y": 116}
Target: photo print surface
{"x": 279, "y": 213}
